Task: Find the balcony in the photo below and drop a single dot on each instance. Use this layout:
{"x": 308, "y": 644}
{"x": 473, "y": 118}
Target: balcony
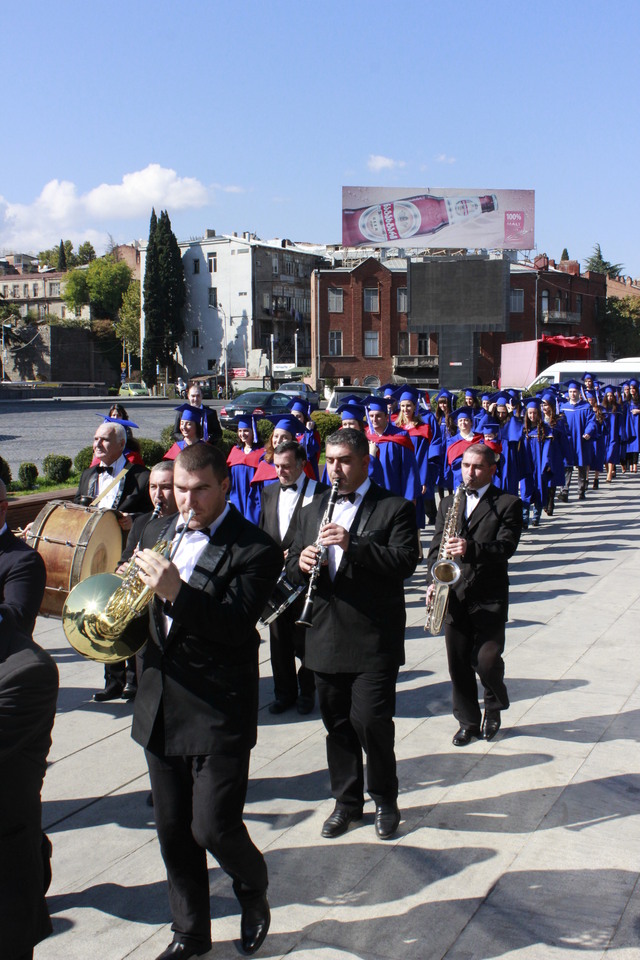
{"x": 416, "y": 362}
{"x": 560, "y": 316}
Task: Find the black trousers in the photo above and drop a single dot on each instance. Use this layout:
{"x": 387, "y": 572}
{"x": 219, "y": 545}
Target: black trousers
{"x": 357, "y": 710}
{"x": 198, "y": 804}
{"x": 475, "y": 644}
{"x": 582, "y": 479}
{"x": 287, "y": 643}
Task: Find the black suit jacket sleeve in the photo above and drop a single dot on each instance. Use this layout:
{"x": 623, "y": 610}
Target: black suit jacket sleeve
{"x": 380, "y": 551}
{"x": 22, "y": 582}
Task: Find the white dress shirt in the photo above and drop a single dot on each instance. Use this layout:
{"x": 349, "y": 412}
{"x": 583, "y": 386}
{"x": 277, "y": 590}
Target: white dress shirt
{"x": 287, "y": 500}
{"x": 105, "y": 477}
{"x": 473, "y": 499}
{"x": 344, "y": 514}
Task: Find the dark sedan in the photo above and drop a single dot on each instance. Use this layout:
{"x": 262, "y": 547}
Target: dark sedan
{"x": 260, "y": 402}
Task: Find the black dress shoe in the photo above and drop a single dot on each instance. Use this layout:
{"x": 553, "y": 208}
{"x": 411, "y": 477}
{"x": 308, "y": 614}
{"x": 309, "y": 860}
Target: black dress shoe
{"x": 280, "y": 706}
{"x": 304, "y": 704}
{"x": 338, "y": 822}
{"x": 387, "y": 819}
{"x": 490, "y": 724}
{"x": 254, "y": 924}
{"x": 112, "y": 691}
{"x": 465, "y": 735}
{"x": 129, "y": 692}
{"x": 563, "y": 496}
{"x": 182, "y": 951}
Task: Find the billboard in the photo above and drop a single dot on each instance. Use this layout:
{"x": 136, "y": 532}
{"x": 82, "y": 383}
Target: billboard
{"x": 438, "y": 217}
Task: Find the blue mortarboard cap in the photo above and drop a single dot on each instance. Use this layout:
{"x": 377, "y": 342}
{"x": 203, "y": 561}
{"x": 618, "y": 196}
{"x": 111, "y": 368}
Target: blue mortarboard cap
{"x": 123, "y": 423}
{"x": 573, "y": 385}
{"x": 376, "y": 403}
{"x": 388, "y": 389}
{"x": 515, "y": 395}
{"x": 351, "y": 411}
{"x": 503, "y": 399}
{"x": 248, "y": 421}
{"x": 470, "y": 392}
{"x": 490, "y": 427}
{"x": 609, "y": 389}
{"x": 633, "y": 382}
{"x": 407, "y": 393}
{"x": 187, "y": 412}
{"x": 444, "y": 395}
{"x": 466, "y": 412}
{"x": 352, "y": 398}
{"x": 533, "y": 403}
{"x": 301, "y": 405}
{"x": 590, "y": 394}
{"x": 486, "y": 396}
{"x": 549, "y": 397}
{"x": 285, "y": 422}
{"x": 587, "y": 376}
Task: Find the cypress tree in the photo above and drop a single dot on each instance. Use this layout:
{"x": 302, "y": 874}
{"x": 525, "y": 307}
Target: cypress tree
{"x": 152, "y": 307}
{"x": 62, "y": 258}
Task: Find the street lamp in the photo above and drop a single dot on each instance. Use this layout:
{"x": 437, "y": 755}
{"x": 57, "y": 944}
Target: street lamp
{"x": 5, "y": 326}
{"x": 226, "y": 358}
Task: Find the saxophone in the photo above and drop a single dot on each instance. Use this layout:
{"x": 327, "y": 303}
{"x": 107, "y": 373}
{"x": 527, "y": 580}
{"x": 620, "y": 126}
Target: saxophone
{"x": 445, "y": 572}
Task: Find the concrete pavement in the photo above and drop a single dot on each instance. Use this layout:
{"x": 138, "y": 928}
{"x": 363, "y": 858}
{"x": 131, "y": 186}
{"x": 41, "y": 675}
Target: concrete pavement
{"x": 527, "y": 847}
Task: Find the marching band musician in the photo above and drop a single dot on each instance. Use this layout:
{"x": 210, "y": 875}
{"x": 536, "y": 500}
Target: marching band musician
{"x": 282, "y": 504}
{"x": 196, "y": 712}
{"x": 355, "y": 645}
{"x": 474, "y": 624}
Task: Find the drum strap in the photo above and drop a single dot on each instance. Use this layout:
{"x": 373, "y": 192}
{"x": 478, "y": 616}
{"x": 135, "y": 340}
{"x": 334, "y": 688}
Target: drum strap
{"x": 116, "y": 479}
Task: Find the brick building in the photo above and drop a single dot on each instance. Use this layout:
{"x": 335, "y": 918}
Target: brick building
{"x": 361, "y": 329}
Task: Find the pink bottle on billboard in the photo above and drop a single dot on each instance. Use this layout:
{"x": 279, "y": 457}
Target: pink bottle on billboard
{"x": 413, "y": 217}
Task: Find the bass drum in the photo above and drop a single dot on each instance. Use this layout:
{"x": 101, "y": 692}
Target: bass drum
{"x": 75, "y": 543}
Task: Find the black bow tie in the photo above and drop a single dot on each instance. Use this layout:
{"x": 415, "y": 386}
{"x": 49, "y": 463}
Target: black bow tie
{"x": 288, "y": 486}
{"x": 473, "y": 494}
{"x": 102, "y": 469}
{"x": 351, "y": 497}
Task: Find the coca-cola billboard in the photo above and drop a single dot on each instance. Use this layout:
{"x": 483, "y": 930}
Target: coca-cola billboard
{"x": 438, "y": 217}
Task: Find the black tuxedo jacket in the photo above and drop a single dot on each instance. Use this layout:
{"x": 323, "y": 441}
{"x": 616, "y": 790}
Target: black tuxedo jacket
{"x": 492, "y": 533}
{"x": 214, "y": 430}
{"x": 269, "y": 509}
{"x": 28, "y": 692}
{"x": 199, "y": 685}
{"x": 22, "y": 582}
{"x": 134, "y": 494}
{"x": 359, "y": 617}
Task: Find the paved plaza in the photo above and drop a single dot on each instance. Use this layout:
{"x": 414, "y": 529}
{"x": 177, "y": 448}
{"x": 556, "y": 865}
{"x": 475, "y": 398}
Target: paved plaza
{"x": 527, "y": 847}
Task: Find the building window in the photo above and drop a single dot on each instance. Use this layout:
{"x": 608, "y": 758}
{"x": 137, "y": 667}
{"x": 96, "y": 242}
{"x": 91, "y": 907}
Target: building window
{"x": 544, "y": 304}
{"x": 274, "y": 264}
{"x": 195, "y": 339}
{"x": 423, "y": 344}
{"x": 5, "y": 290}
{"x": 371, "y": 303}
{"x": 196, "y": 266}
{"x": 579, "y": 304}
{"x": 54, "y": 289}
{"x": 402, "y": 300}
{"x": 336, "y": 300}
{"x": 335, "y": 343}
{"x": 25, "y": 289}
{"x": 16, "y": 290}
{"x": 35, "y": 289}
{"x": 63, "y": 312}
{"x": 371, "y": 343}
{"x": 288, "y": 264}
{"x": 212, "y": 260}
{"x": 517, "y": 301}
{"x": 266, "y": 302}
{"x": 403, "y": 343}
{"x": 213, "y": 296}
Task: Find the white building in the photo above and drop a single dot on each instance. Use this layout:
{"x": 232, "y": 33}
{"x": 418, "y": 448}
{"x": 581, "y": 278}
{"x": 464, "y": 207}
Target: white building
{"x": 241, "y": 292}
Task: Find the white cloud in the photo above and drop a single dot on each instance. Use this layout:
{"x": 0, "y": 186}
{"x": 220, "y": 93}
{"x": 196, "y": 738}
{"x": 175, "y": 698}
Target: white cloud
{"x": 443, "y": 158}
{"x": 60, "y": 211}
{"x": 377, "y": 162}
{"x": 229, "y": 188}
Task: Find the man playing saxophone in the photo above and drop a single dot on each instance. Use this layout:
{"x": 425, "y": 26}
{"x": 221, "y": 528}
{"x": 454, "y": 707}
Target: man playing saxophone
{"x": 474, "y": 624}
{"x": 355, "y": 641}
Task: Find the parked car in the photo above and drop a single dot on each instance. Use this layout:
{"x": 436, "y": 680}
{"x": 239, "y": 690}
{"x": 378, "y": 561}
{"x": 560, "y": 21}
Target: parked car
{"x": 298, "y": 389}
{"x": 339, "y": 393}
{"x": 133, "y": 390}
{"x": 260, "y": 402}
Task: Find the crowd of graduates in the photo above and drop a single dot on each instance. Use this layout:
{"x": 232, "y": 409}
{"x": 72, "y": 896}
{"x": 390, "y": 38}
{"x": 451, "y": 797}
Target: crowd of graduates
{"x": 416, "y": 444}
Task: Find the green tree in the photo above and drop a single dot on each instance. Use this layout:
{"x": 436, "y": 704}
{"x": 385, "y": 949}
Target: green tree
{"x": 76, "y": 291}
{"x": 598, "y": 264}
{"x": 564, "y": 255}
{"x": 107, "y": 282}
{"x": 86, "y": 253}
{"x": 62, "y": 258}
{"x": 128, "y": 325}
{"x": 164, "y": 296}
{"x": 621, "y": 326}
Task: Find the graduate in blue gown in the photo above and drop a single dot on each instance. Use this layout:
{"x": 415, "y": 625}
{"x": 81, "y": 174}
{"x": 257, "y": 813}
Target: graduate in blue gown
{"x": 394, "y": 450}
{"x": 243, "y": 462}
{"x": 352, "y": 414}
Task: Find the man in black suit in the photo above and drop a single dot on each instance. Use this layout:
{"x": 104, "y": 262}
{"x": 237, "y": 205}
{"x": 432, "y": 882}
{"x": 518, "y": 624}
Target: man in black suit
{"x": 211, "y": 429}
{"x": 279, "y": 515}
{"x": 196, "y": 712}
{"x": 474, "y": 625}
{"x": 130, "y": 498}
{"x": 355, "y": 645}
{"x": 28, "y": 693}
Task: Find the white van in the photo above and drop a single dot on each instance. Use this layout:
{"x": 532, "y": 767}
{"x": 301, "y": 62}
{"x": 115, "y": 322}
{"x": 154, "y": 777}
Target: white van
{"x": 604, "y": 371}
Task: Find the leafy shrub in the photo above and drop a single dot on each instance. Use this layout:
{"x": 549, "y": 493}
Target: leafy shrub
{"x": 265, "y": 429}
{"x": 151, "y": 451}
{"x": 326, "y": 423}
{"x": 83, "y": 459}
{"x": 5, "y": 472}
{"x": 167, "y": 438}
{"x": 27, "y": 475}
{"x": 57, "y": 467}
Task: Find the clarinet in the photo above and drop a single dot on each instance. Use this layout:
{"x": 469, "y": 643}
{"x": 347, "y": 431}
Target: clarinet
{"x": 307, "y": 610}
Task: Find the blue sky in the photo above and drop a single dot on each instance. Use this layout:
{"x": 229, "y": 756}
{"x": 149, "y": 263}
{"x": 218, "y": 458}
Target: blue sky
{"x": 251, "y": 116}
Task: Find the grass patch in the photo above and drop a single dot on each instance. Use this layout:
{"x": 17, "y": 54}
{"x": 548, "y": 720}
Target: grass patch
{"x": 42, "y": 486}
